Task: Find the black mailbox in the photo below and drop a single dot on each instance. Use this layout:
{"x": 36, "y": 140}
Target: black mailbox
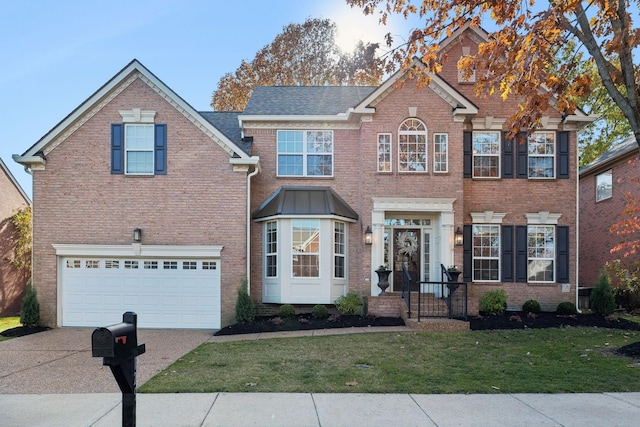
{"x": 118, "y": 346}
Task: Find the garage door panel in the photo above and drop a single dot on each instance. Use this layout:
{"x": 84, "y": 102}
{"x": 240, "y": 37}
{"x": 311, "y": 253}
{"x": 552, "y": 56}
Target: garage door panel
{"x": 185, "y": 297}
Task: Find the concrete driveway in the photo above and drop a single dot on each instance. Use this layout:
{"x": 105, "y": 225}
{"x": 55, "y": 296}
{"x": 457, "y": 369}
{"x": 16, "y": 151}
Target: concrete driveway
{"x": 60, "y": 361}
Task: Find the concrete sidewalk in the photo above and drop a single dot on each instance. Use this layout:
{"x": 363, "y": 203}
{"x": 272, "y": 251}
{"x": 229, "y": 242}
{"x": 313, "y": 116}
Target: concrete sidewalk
{"x": 325, "y": 410}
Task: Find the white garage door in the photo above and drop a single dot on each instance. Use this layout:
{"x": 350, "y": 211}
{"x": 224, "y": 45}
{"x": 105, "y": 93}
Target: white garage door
{"x": 165, "y": 293}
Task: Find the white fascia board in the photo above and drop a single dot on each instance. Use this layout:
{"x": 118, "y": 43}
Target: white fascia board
{"x": 580, "y": 118}
{"x": 138, "y": 250}
{"x": 29, "y": 160}
{"x": 478, "y": 30}
{"x": 290, "y": 216}
{"x": 293, "y": 118}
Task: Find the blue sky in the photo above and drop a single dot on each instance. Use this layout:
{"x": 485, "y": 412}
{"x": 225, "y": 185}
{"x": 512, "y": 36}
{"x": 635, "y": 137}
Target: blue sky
{"x": 56, "y": 54}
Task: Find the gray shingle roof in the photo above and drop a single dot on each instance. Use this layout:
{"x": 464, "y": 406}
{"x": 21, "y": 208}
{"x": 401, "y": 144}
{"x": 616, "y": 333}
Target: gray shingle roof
{"x": 227, "y": 123}
{"x": 305, "y": 100}
{"x": 616, "y": 151}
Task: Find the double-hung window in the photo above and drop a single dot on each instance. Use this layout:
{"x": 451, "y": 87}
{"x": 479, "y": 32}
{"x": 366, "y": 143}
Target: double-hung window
{"x": 271, "y": 250}
{"x": 305, "y": 153}
{"x": 412, "y": 146}
{"x": 604, "y": 185}
{"x": 486, "y": 253}
{"x": 339, "y": 250}
{"x": 541, "y": 253}
{"x": 542, "y": 155}
{"x": 384, "y": 152}
{"x": 440, "y": 152}
{"x": 138, "y": 144}
{"x": 486, "y": 154}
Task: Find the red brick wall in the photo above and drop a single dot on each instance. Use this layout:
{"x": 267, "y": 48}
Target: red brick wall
{"x": 597, "y": 217}
{"x": 200, "y": 201}
{"x": 12, "y": 280}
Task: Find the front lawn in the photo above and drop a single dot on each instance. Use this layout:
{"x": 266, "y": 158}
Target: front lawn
{"x": 580, "y": 360}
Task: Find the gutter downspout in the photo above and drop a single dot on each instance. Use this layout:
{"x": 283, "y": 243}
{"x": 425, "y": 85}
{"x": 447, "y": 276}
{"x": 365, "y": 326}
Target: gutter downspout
{"x": 251, "y": 175}
{"x": 577, "y": 233}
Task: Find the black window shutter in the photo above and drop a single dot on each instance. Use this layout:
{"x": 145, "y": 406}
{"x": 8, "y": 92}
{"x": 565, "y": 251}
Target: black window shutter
{"x": 563, "y": 161}
{"x": 521, "y": 253}
{"x": 562, "y": 257}
{"x": 467, "y": 249}
{"x": 507, "y": 156}
{"x": 522, "y": 157}
{"x": 160, "y": 149}
{"x": 507, "y": 253}
{"x": 468, "y": 154}
{"x": 117, "y": 148}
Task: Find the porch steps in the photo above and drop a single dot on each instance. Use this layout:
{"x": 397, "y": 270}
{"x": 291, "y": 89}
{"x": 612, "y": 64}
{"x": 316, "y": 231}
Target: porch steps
{"x": 437, "y": 306}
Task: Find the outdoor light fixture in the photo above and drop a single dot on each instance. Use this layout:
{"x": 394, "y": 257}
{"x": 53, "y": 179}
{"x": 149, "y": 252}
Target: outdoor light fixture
{"x": 137, "y": 234}
{"x": 459, "y": 237}
{"x": 368, "y": 236}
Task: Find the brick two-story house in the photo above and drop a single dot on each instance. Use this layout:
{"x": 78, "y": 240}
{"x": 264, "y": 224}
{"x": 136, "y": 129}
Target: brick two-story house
{"x": 13, "y": 280}
{"x": 603, "y": 185}
{"x": 284, "y": 192}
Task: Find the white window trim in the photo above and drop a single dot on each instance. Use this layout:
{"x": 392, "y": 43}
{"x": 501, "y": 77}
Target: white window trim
{"x": 266, "y": 249}
{"x": 446, "y": 159}
{"x": 342, "y": 255}
{"x": 305, "y": 154}
{"x": 543, "y": 218}
{"x": 608, "y": 171}
{"x": 390, "y": 136}
{"x": 488, "y": 218}
{"x": 414, "y": 133}
{"x": 137, "y": 115}
{"x": 128, "y": 150}
{"x": 499, "y": 257}
{"x": 498, "y": 154}
{"x": 552, "y": 156}
{"x": 552, "y": 259}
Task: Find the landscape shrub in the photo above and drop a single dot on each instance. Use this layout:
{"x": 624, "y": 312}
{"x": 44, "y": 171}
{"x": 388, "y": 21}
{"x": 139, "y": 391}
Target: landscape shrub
{"x": 319, "y": 312}
{"x": 566, "y": 307}
{"x": 286, "y": 311}
{"x": 349, "y": 303}
{"x": 531, "y": 306}
{"x": 245, "y": 308}
{"x": 493, "y": 302}
{"x": 30, "y": 308}
{"x": 602, "y": 299}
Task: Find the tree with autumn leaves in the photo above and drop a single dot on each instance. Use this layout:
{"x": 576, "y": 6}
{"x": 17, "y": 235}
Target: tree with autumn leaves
{"x": 302, "y": 55}
{"x": 520, "y": 58}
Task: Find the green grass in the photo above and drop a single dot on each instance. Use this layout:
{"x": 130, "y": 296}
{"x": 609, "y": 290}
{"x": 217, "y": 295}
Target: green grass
{"x": 523, "y": 361}
{"x": 8, "y": 323}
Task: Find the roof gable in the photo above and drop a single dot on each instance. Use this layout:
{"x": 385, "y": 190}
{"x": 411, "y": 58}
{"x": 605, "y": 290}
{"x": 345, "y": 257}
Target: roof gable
{"x": 134, "y": 70}
{"x": 12, "y": 179}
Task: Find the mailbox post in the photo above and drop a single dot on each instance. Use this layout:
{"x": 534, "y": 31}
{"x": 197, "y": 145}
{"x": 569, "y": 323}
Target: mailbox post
{"x": 118, "y": 346}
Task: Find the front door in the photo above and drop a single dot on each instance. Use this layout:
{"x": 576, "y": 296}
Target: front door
{"x": 406, "y": 252}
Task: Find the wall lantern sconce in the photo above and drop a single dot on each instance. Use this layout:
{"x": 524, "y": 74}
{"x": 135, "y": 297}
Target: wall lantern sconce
{"x": 458, "y": 239}
{"x": 137, "y": 234}
{"x": 368, "y": 236}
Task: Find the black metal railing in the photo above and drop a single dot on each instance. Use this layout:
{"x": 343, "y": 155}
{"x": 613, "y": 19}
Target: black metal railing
{"x": 446, "y": 298}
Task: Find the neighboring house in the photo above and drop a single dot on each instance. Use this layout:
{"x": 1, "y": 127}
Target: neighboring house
{"x": 283, "y": 193}
{"x": 13, "y": 280}
{"x": 603, "y": 185}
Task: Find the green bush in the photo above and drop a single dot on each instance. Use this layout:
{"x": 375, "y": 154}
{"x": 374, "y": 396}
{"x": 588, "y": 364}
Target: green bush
{"x": 245, "y": 308}
{"x": 319, "y": 312}
{"x": 566, "y": 308}
{"x": 493, "y": 302}
{"x": 349, "y": 303}
{"x": 602, "y": 300}
{"x": 30, "y": 308}
{"x": 286, "y": 311}
{"x": 531, "y": 306}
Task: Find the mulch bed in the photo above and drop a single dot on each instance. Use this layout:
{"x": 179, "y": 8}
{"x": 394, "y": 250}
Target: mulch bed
{"x": 21, "y": 331}
{"x": 304, "y": 322}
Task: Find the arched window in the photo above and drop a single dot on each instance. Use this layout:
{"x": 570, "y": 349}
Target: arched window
{"x": 412, "y": 146}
